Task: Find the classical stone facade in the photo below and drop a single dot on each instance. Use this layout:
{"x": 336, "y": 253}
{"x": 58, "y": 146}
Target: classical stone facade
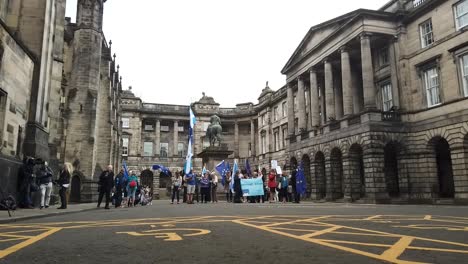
{"x": 375, "y": 108}
{"x": 59, "y": 91}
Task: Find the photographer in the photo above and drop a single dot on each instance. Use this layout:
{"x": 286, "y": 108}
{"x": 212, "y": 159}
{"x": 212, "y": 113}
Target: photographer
{"x": 44, "y": 178}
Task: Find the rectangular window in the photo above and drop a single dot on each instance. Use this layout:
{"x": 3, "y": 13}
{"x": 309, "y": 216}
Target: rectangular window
{"x": 181, "y": 149}
{"x": 164, "y": 128}
{"x": 276, "y": 138}
{"x": 264, "y": 119}
{"x": 181, "y": 129}
{"x": 461, "y": 14}
{"x": 11, "y": 136}
{"x": 383, "y": 57}
{"x": 285, "y": 136}
{"x": 295, "y": 103}
{"x": 427, "y": 37}
{"x": 432, "y": 86}
{"x": 387, "y": 96}
{"x": 148, "y": 149}
{"x": 275, "y": 113}
{"x": 164, "y": 150}
{"x": 285, "y": 109}
{"x": 296, "y": 126}
{"x": 464, "y": 71}
{"x": 125, "y": 122}
{"x": 264, "y": 147}
{"x": 124, "y": 146}
{"x": 149, "y": 127}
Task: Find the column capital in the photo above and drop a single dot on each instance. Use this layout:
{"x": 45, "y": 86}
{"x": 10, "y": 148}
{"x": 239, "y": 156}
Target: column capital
{"x": 290, "y": 85}
{"x": 365, "y": 35}
{"x": 326, "y": 60}
{"x": 344, "y": 48}
{"x": 312, "y": 69}
{"x": 300, "y": 78}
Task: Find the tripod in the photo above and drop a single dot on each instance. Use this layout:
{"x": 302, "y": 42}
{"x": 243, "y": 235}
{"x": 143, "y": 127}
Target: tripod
{"x": 3, "y": 197}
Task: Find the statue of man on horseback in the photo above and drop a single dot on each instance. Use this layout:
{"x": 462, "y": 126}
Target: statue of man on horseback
{"x": 213, "y": 133}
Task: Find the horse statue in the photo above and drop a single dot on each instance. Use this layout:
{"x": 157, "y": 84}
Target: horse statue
{"x": 213, "y": 133}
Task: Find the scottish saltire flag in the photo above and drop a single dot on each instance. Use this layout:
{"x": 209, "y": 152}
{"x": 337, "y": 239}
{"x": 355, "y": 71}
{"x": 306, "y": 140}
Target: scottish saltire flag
{"x": 235, "y": 168}
{"x": 125, "y": 168}
{"x": 301, "y": 185}
{"x": 247, "y": 168}
{"x": 203, "y": 171}
{"x": 163, "y": 169}
{"x": 221, "y": 168}
{"x": 188, "y": 159}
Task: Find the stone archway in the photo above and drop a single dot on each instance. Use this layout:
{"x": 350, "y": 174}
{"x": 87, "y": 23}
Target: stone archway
{"x": 307, "y": 173}
{"x": 357, "y": 177}
{"x": 320, "y": 177}
{"x": 392, "y": 178}
{"x": 445, "y": 179}
{"x": 336, "y": 169}
{"x": 147, "y": 178}
{"x": 75, "y": 189}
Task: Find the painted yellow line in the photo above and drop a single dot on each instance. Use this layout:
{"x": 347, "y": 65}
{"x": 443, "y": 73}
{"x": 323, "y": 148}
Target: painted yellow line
{"x": 294, "y": 229}
{"x": 13, "y": 235}
{"x": 13, "y": 249}
{"x": 355, "y": 243}
{"x": 398, "y": 248}
{"x": 372, "y": 217}
{"x": 320, "y": 242}
{"x": 296, "y": 221}
{"x": 11, "y": 239}
{"x": 439, "y": 249}
{"x": 321, "y": 232}
{"x": 428, "y": 217}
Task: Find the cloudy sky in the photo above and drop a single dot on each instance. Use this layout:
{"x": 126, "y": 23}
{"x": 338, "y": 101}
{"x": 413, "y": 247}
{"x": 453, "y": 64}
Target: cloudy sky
{"x": 171, "y": 51}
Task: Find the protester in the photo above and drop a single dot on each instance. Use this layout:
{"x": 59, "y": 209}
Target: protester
{"x": 284, "y": 183}
{"x": 119, "y": 186}
{"x": 64, "y": 183}
{"x": 214, "y": 188}
{"x": 176, "y": 183}
{"x": 295, "y": 194}
{"x": 197, "y": 188}
{"x": 105, "y": 185}
{"x": 237, "y": 188}
{"x": 227, "y": 187}
{"x": 205, "y": 188}
{"x": 272, "y": 185}
{"x": 44, "y": 177}
{"x": 132, "y": 186}
{"x": 190, "y": 179}
{"x": 26, "y": 178}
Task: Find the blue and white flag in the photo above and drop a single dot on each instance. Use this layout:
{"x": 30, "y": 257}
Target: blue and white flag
{"x": 125, "y": 168}
{"x": 163, "y": 169}
{"x": 188, "y": 159}
{"x": 235, "y": 168}
{"x": 301, "y": 185}
{"x": 203, "y": 171}
{"x": 221, "y": 168}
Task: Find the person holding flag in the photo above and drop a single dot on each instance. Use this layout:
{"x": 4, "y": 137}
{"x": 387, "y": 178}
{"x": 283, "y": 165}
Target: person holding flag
{"x": 301, "y": 185}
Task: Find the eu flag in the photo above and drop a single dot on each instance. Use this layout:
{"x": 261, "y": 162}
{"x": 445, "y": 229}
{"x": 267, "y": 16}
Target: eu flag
{"x": 163, "y": 169}
{"x": 301, "y": 186}
{"x": 247, "y": 168}
{"x": 221, "y": 168}
{"x": 125, "y": 168}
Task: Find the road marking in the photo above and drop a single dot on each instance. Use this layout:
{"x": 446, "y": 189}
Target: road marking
{"x": 398, "y": 248}
{"x": 428, "y": 217}
{"x": 17, "y": 247}
{"x": 170, "y": 234}
{"x": 372, "y": 217}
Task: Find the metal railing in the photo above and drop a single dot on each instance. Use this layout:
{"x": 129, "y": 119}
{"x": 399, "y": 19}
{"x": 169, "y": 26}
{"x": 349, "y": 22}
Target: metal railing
{"x": 391, "y": 116}
{"x": 417, "y": 3}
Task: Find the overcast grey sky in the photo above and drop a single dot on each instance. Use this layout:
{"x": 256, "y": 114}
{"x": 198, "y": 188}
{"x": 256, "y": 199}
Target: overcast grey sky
{"x": 171, "y": 51}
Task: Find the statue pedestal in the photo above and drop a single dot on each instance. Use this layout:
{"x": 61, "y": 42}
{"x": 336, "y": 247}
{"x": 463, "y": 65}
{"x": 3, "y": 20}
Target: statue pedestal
{"x": 213, "y": 155}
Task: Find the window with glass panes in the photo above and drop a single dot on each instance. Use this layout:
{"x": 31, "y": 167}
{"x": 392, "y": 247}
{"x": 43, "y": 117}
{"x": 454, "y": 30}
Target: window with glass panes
{"x": 124, "y": 146}
{"x": 148, "y": 149}
{"x": 275, "y": 113}
{"x": 461, "y": 14}
{"x": 277, "y": 142}
{"x": 264, "y": 147}
{"x": 464, "y": 71}
{"x": 427, "y": 36}
{"x": 125, "y": 122}
{"x": 387, "y": 97}
{"x": 285, "y": 109}
{"x": 164, "y": 150}
{"x": 432, "y": 86}
{"x": 180, "y": 149}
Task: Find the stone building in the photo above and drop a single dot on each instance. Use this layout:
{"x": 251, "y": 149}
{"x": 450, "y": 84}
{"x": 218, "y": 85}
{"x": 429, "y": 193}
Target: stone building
{"x": 59, "y": 91}
{"x": 375, "y": 108}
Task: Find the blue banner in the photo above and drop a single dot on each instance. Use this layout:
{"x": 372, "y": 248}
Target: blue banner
{"x": 252, "y": 187}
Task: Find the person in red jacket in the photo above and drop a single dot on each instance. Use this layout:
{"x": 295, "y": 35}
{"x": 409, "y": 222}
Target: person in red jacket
{"x": 272, "y": 184}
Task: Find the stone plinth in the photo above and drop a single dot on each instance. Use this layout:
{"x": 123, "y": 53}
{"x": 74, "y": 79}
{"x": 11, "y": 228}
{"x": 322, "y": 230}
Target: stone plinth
{"x": 212, "y": 156}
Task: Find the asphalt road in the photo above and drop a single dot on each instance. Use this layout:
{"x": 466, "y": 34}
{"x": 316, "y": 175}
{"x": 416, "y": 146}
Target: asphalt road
{"x": 243, "y": 233}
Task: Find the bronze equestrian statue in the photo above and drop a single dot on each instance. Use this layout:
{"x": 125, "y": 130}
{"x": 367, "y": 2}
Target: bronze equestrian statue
{"x": 214, "y": 131}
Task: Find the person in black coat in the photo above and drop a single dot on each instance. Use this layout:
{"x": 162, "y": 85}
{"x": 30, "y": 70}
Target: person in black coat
{"x": 105, "y": 185}
{"x": 237, "y": 188}
{"x": 119, "y": 187}
{"x": 64, "y": 183}
{"x": 26, "y": 178}
{"x": 296, "y": 195}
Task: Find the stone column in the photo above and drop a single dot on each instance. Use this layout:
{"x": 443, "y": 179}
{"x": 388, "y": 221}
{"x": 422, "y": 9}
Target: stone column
{"x": 323, "y": 105}
{"x": 314, "y": 99}
{"x": 346, "y": 82}
{"x": 259, "y": 145}
{"x": 176, "y": 137}
{"x": 158, "y": 137}
{"x": 290, "y": 95}
{"x": 252, "y": 138}
{"x": 329, "y": 92}
{"x": 393, "y": 56}
{"x": 367, "y": 72}
{"x": 236, "y": 139}
{"x": 301, "y": 104}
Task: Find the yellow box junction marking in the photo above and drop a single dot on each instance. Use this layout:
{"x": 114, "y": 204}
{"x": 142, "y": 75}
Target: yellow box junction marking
{"x": 170, "y": 234}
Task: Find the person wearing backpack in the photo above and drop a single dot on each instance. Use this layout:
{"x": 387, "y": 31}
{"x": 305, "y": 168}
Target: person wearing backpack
{"x": 132, "y": 188}
{"x": 284, "y": 183}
